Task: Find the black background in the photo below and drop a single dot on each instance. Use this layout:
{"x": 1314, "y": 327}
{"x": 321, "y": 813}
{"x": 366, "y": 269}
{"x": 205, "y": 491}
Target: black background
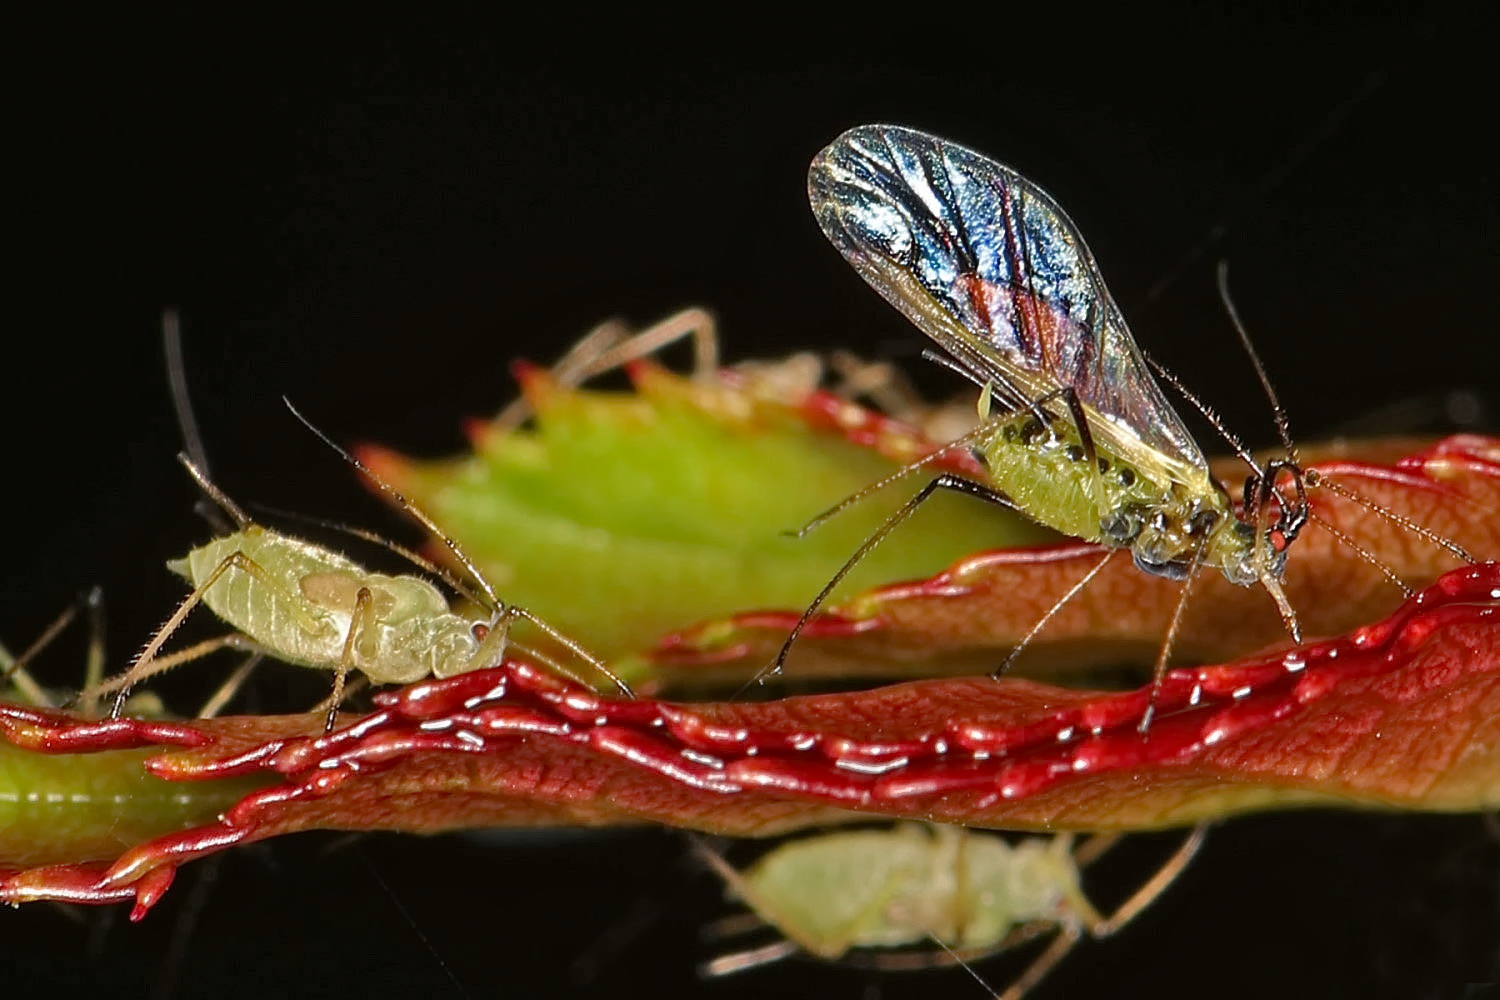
{"x": 375, "y": 221}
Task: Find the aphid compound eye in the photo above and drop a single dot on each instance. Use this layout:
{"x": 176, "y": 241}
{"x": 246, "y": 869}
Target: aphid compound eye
{"x": 1126, "y": 476}
{"x": 1032, "y": 432}
{"x": 1074, "y": 453}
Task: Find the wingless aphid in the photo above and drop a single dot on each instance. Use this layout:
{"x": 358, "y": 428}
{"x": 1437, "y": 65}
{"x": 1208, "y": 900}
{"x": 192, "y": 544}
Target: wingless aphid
{"x": 1074, "y": 429}
{"x": 306, "y": 604}
{"x": 970, "y": 893}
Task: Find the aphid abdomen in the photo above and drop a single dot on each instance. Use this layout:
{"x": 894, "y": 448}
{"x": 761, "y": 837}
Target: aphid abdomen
{"x": 260, "y": 593}
{"x": 836, "y": 892}
{"x": 1045, "y": 471}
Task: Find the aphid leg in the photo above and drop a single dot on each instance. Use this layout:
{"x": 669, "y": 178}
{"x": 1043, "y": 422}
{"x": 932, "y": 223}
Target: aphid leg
{"x": 947, "y": 481}
{"x": 1154, "y": 886}
{"x": 1071, "y": 932}
{"x": 741, "y": 888}
{"x": 1068, "y": 935}
{"x": 827, "y": 944}
{"x": 218, "y": 496}
{"x": 121, "y": 684}
{"x": 1165, "y": 654}
{"x": 93, "y": 661}
{"x": 147, "y": 664}
{"x": 358, "y": 620}
{"x": 13, "y": 669}
{"x": 1057, "y": 606}
{"x": 231, "y": 686}
{"x": 1094, "y": 848}
{"x": 592, "y": 344}
{"x": 881, "y": 382}
{"x": 610, "y": 345}
{"x": 963, "y": 909}
{"x": 693, "y": 322}
{"x": 750, "y": 958}
{"x": 977, "y": 434}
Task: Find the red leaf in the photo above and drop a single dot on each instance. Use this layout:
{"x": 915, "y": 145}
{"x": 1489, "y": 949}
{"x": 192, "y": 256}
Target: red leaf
{"x": 1404, "y": 713}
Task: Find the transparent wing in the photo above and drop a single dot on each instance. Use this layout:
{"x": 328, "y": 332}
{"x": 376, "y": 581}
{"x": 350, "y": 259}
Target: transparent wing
{"x": 985, "y": 263}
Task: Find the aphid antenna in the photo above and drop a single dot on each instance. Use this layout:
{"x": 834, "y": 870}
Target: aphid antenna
{"x": 502, "y": 611}
{"x": 1363, "y": 553}
{"x": 411, "y": 921}
{"x": 1302, "y": 479}
{"x": 1209, "y": 413}
{"x": 375, "y": 538}
{"x": 1283, "y": 427}
{"x": 1322, "y": 481}
{"x": 417, "y": 514}
{"x": 187, "y": 422}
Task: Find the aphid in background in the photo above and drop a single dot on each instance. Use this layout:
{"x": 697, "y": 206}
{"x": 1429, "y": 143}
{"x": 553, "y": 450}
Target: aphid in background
{"x": 611, "y": 345}
{"x": 1074, "y": 431}
{"x": 14, "y": 669}
{"x": 308, "y": 605}
{"x": 971, "y": 893}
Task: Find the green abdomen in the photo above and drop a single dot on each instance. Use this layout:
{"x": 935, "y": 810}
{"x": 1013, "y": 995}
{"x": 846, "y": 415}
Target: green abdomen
{"x": 1044, "y": 471}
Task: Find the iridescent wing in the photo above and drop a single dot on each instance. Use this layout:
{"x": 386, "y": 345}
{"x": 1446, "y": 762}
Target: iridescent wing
{"x": 985, "y": 263}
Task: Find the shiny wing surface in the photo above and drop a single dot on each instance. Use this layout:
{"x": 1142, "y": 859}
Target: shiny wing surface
{"x": 985, "y": 263}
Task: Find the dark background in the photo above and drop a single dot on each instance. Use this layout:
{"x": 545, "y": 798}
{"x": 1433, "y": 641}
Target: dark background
{"x": 375, "y": 222}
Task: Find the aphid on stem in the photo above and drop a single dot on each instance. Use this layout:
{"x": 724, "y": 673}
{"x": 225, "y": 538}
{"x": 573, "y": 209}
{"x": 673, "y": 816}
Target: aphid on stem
{"x": 849, "y": 893}
{"x": 308, "y": 605}
{"x": 1074, "y": 432}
